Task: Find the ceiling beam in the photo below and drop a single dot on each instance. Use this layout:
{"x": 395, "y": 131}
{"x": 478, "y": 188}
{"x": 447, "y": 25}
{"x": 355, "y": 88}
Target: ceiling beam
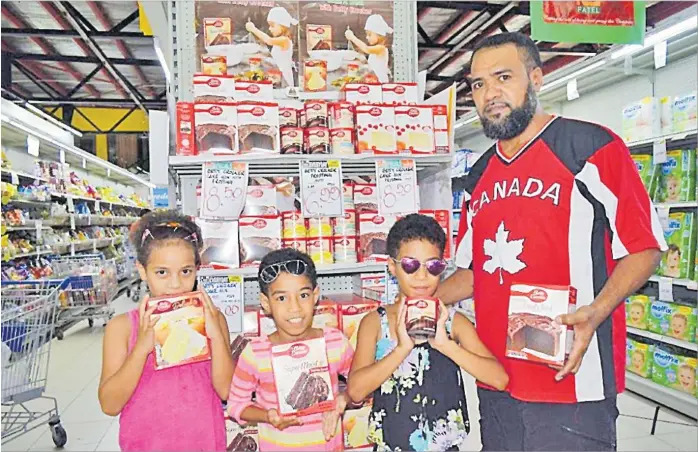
{"x": 424, "y": 34}
{"x": 463, "y": 6}
{"x": 34, "y": 68}
{"x": 126, "y": 21}
{"x": 573, "y": 51}
{"x": 98, "y": 102}
{"x": 83, "y": 59}
{"x": 56, "y": 33}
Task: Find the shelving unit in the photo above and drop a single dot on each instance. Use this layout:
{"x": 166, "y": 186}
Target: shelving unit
{"x": 664, "y": 339}
{"x": 676, "y": 400}
{"x": 687, "y": 283}
{"x": 672, "y": 139}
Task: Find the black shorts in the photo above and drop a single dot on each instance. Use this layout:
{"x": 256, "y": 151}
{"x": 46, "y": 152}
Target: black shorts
{"x": 510, "y": 424}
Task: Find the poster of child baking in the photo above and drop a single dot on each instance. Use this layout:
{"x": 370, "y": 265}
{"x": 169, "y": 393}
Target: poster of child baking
{"x": 250, "y": 40}
{"x": 345, "y": 41}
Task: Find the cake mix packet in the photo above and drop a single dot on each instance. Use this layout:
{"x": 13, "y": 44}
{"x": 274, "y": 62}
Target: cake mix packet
{"x": 532, "y": 333}
{"x": 302, "y": 377}
{"x": 180, "y": 332}
{"x": 672, "y": 319}
{"x": 422, "y": 316}
{"x": 638, "y": 357}
{"x": 258, "y": 237}
{"x": 673, "y": 370}
{"x": 637, "y": 311}
{"x": 246, "y": 439}
{"x": 326, "y": 315}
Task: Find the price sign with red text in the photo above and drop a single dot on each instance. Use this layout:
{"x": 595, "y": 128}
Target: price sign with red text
{"x": 226, "y": 294}
{"x": 321, "y": 188}
{"x": 396, "y": 181}
{"x": 224, "y": 189}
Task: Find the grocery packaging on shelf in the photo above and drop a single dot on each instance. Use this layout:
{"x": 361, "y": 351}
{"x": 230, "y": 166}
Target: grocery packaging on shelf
{"x": 685, "y": 112}
{"x": 257, "y": 91}
{"x": 216, "y": 128}
{"x": 422, "y": 316}
{"x": 640, "y": 120}
{"x": 677, "y": 178}
{"x": 320, "y": 250}
{"x": 442, "y": 138}
{"x": 258, "y": 237}
{"x": 292, "y": 140}
{"x": 342, "y": 142}
{"x": 180, "y": 333}
{"x": 220, "y": 243}
{"x": 532, "y": 334}
{"x": 673, "y": 370}
{"x": 365, "y": 198}
{"x": 316, "y": 114}
{"x": 400, "y": 93}
{"x": 373, "y": 233}
{"x": 260, "y": 200}
{"x": 352, "y": 313}
{"x": 258, "y": 127}
{"x": 355, "y": 427}
{"x": 638, "y": 357}
{"x": 649, "y": 172}
{"x": 680, "y": 235}
{"x": 288, "y": 117}
{"x": 363, "y": 93}
{"x": 326, "y": 315}
{"x": 637, "y": 311}
{"x": 672, "y": 319}
{"x": 414, "y": 125}
{"x": 341, "y": 115}
{"x": 186, "y": 140}
{"x": 317, "y": 140}
{"x": 344, "y": 249}
{"x": 213, "y": 88}
{"x": 375, "y": 126}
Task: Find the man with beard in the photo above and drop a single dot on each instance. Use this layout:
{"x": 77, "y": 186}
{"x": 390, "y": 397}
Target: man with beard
{"x": 555, "y": 202}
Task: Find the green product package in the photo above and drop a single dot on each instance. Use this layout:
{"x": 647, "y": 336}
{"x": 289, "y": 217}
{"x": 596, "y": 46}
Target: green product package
{"x": 680, "y": 235}
{"x": 637, "y": 311}
{"x": 649, "y": 173}
{"x": 638, "y": 358}
{"x": 677, "y": 181}
{"x": 671, "y": 319}
{"x": 673, "y": 370}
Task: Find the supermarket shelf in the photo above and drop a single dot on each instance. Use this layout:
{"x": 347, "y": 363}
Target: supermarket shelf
{"x": 691, "y": 285}
{"x": 24, "y": 228}
{"x": 334, "y": 269}
{"x": 85, "y": 198}
{"x": 29, "y": 202}
{"x": 22, "y": 175}
{"x": 32, "y": 254}
{"x": 678, "y": 205}
{"x": 90, "y": 220}
{"x": 670, "y": 137}
{"x": 676, "y": 400}
{"x": 664, "y": 339}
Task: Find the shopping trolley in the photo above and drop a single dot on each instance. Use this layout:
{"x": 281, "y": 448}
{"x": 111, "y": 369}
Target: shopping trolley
{"x": 90, "y": 287}
{"x": 26, "y": 327}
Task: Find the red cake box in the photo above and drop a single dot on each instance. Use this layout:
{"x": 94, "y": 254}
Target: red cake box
{"x": 532, "y": 334}
{"x": 422, "y": 315}
{"x": 302, "y": 377}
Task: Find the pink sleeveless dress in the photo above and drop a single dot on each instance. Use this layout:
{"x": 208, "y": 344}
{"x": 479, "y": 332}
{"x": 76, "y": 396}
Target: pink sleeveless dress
{"x": 173, "y": 409}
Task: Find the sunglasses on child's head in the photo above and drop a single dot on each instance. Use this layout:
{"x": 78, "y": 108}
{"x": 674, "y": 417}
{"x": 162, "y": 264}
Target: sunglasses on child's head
{"x": 295, "y": 267}
{"x": 410, "y": 265}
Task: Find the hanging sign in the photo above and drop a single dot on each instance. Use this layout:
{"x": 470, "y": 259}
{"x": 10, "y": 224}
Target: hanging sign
{"x": 396, "y": 181}
{"x": 321, "y": 188}
{"x": 224, "y": 189}
{"x": 666, "y": 289}
{"x": 14, "y": 178}
{"x": 226, "y": 294}
{"x": 161, "y": 197}
{"x": 659, "y": 152}
{"x": 33, "y": 145}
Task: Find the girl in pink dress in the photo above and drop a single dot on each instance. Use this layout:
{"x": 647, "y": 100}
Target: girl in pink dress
{"x": 178, "y": 408}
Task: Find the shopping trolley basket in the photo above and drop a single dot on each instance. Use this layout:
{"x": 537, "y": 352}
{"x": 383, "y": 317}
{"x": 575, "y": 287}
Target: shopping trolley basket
{"x": 26, "y": 327}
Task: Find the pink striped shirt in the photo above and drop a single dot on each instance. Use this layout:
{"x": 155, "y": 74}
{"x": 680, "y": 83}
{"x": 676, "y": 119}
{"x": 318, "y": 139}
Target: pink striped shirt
{"x": 254, "y": 374}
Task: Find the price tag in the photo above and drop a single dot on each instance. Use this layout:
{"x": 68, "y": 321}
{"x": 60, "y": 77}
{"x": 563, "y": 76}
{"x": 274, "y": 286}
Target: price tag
{"x": 108, "y": 172}
{"x": 33, "y": 145}
{"x": 72, "y": 222}
{"x": 666, "y": 289}
{"x": 14, "y": 177}
{"x": 71, "y": 204}
{"x": 226, "y": 294}
{"x": 110, "y": 206}
{"x": 94, "y": 246}
{"x": 663, "y": 213}
{"x": 321, "y": 188}
{"x": 396, "y": 181}
{"x": 572, "y": 90}
{"x": 61, "y": 156}
{"x": 39, "y": 229}
{"x": 98, "y": 208}
{"x": 224, "y": 189}
{"x": 84, "y": 164}
{"x": 659, "y": 151}
{"x": 660, "y": 54}
{"x": 72, "y": 248}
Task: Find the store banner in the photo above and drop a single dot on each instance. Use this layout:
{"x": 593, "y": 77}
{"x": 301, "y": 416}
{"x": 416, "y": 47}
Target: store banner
{"x": 600, "y": 22}
{"x": 161, "y": 198}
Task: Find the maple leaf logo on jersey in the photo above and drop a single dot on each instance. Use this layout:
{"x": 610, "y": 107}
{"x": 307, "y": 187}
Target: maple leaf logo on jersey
{"x": 504, "y": 255}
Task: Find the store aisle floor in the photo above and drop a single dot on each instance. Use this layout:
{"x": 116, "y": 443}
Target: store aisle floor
{"x": 74, "y": 378}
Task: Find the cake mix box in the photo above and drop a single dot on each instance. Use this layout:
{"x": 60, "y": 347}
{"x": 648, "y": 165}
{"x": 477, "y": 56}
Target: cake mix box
{"x": 640, "y": 120}
{"x": 260, "y": 200}
{"x": 680, "y": 235}
{"x": 672, "y": 370}
{"x": 351, "y": 318}
{"x": 400, "y": 93}
{"x": 678, "y": 177}
{"x": 375, "y": 127}
{"x": 363, "y": 93}
{"x": 259, "y": 91}
{"x": 422, "y": 316}
{"x": 180, "y": 333}
{"x": 213, "y": 88}
{"x": 216, "y": 128}
{"x": 373, "y": 234}
{"x": 685, "y": 112}
{"x": 220, "y": 243}
{"x": 649, "y": 173}
{"x": 237, "y": 345}
{"x": 246, "y": 439}
{"x": 355, "y": 427}
{"x": 365, "y": 198}
{"x": 671, "y": 319}
{"x": 258, "y": 127}
{"x": 638, "y": 358}
{"x": 326, "y": 315}
{"x": 532, "y": 333}
{"x": 218, "y": 31}
{"x": 258, "y": 237}
{"x": 414, "y": 126}
{"x": 185, "y": 134}
{"x": 637, "y": 311}
{"x": 302, "y": 377}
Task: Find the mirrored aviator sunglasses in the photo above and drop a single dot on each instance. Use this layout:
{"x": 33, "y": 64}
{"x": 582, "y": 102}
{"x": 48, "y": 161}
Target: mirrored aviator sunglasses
{"x": 269, "y": 273}
{"x": 410, "y": 265}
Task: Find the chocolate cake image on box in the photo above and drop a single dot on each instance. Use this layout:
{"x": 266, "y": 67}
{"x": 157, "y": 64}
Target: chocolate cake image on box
{"x": 307, "y": 391}
{"x": 237, "y": 346}
{"x": 322, "y": 45}
{"x": 257, "y": 136}
{"x": 366, "y": 207}
{"x": 220, "y": 39}
{"x": 242, "y": 442}
{"x": 373, "y": 243}
{"x": 253, "y": 249}
{"x": 214, "y": 251}
{"x": 534, "y": 332}
{"x": 215, "y": 136}
{"x": 421, "y": 327}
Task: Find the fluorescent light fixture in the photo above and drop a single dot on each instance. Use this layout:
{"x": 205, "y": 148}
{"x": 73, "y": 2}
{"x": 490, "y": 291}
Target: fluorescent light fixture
{"x": 656, "y": 38}
{"x": 51, "y": 119}
{"x": 573, "y": 75}
{"x": 161, "y": 58}
{"x": 466, "y": 122}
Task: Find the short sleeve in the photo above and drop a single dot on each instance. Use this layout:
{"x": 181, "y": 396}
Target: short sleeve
{"x": 464, "y": 249}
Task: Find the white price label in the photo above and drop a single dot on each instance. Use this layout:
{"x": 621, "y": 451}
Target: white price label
{"x": 72, "y": 222}
{"x": 33, "y": 145}
{"x": 98, "y": 208}
{"x": 72, "y": 249}
{"x": 659, "y": 151}
{"x": 39, "y": 229}
{"x": 321, "y": 188}
{"x": 224, "y": 187}
{"x": 396, "y": 181}
{"x": 666, "y": 289}
{"x": 84, "y": 164}
{"x": 14, "y": 177}
{"x": 61, "y": 156}
{"x": 226, "y": 295}
{"x": 663, "y": 214}
{"x": 71, "y": 204}
{"x": 94, "y": 246}
{"x": 572, "y": 90}
{"x": 660, "y": 55}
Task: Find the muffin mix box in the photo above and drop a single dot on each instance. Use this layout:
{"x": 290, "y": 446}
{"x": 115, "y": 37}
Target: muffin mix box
{"x": 638, "y": 358}
{"x": 302, "y": 377}
{"x": 678, "y": 177}
{"x": 671, "y": 319}
{"x": 649, "y": 173}
{"x": 680, "y": 235}
{"x": 180, "y": 333}
{"x": 673, "y": 370}
{"x": 637, "y": 311}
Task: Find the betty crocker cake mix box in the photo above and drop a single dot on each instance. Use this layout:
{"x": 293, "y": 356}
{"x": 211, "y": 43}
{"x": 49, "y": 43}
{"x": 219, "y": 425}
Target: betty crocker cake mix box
{"x": 638, "y": 358}
{"x": 673, "y": 370}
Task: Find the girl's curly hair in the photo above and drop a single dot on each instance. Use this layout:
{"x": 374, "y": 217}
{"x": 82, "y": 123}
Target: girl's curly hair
{"x": 155, "y": 227}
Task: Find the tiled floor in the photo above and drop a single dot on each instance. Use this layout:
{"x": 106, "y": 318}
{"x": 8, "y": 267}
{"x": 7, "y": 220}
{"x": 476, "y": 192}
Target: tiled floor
{"x": 74, "y": 376}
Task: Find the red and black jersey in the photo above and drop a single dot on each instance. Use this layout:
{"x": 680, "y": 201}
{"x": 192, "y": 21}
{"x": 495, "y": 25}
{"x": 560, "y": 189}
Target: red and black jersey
{"x": 560, "y": 212}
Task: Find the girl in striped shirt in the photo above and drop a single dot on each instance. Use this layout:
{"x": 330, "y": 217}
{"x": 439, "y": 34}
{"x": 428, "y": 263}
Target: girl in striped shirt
{"x": 289, "y": 292}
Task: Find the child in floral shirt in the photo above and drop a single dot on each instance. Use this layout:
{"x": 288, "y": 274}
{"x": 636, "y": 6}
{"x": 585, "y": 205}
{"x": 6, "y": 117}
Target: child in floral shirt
{"x": 418, "y": 393}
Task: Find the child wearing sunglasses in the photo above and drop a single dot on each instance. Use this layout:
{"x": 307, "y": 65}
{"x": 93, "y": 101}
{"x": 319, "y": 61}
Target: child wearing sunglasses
{"x": 418, "y": 393}
{"x": 288, "y": 292}
{"x": 170, "y": 409}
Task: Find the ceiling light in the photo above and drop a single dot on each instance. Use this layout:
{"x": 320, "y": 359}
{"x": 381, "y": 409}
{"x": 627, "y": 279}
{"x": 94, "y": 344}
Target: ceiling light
{"x": 656, "y": 38}
{"x": 575, "y": 74}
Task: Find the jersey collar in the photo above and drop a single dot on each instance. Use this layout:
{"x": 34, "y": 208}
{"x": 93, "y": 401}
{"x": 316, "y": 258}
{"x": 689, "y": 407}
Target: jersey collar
{"x": 508, "y": 160}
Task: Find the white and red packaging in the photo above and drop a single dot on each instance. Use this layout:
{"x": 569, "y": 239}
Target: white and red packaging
{"x": 443, "y": 217}
{"x": 258, "y": 237}
{"x": 180, "y": 334}
{"x": 258, "y": 127}
{"x": 355, "y": 427}
{"x": 414, "y": 127}
{"x": 373, "y": 235}
{"x": 344, "y": 249}
{"x": 341, "y": 115}
{"x": 365, "y": 198}
{"x": 422, "y": 316}
{"x": 260, "y": 200}
{"x": 326, "y": 315}
{"x": 363, "y": 93}
{"x": 316, "y": 112}
{"x": 400, "y": 93}
{"x": 186, "y": 138}
{"x": 250, "y": 322}
{"x": 532, "y": 333}
{"x": 315, "y": 75}
{"x": 220, "y": 243}
{"x": 260, "y": 91}
{"x": 246, "y": 439}
{"x": 216, "y": 128}
{"x": 348, "y": 195}
{"x": 375, "y": 127}
{"x": 213, "y": 88}
{"x": 288, "y": 117}
{"x": 318, "y": 37}
{"x": 317, "y": 140}
{"x": 342, "y": 142}
{"x": 298, "y": 243}
{"x": 302, "y": 377}
{"x": 292, "y": 140}
{"x": 218, "y": 31}
{"x": 346, "y": 224}
{"x": 295, "y": 226}
{"x": 320, "y": 250}
{"x": 442, "y": 139}
{"x": 352, "y": 314}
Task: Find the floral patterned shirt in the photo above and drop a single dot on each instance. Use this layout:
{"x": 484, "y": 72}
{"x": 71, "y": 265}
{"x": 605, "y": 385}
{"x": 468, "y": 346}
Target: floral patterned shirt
{"x": 422, "y": 405}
